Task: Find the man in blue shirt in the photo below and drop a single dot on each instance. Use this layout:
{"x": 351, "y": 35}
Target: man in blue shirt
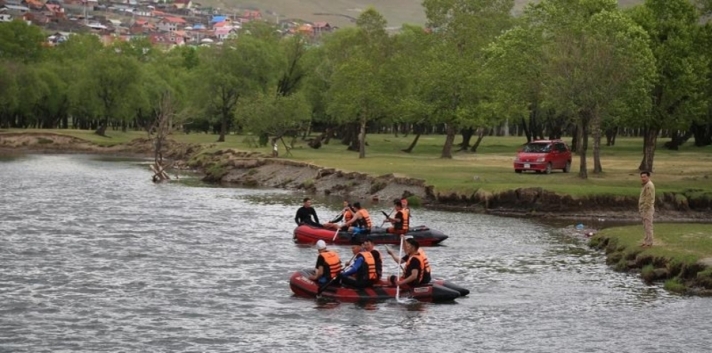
{"x": 363, "y": 268}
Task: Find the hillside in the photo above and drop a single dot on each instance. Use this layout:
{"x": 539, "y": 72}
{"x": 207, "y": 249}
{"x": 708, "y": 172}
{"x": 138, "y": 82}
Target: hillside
{"x": 341, "y": 12}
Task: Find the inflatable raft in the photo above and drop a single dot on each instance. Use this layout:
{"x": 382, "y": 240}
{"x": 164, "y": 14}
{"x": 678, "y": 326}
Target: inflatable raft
{"x": 435, "y": 291}
{"x": 425, "y": 236}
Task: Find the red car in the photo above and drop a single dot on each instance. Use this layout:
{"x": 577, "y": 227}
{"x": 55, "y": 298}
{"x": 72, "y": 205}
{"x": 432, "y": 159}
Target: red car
{"x": 543, "y": 156}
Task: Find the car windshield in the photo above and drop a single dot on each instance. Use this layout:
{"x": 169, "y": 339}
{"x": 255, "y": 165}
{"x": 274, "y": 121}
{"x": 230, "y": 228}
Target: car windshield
{"x": 537, "y": 147}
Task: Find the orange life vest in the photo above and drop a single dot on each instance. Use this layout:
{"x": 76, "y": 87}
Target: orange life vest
{"x": 406, "y": 218}
{"x": 421, "y": 270}
{"x": 348, "y": 215}
{"x": 426, "y": 264}
{"x": 333, "y": 261}
{"x": 365, "y": 217}
{"x": 368, "y": 268}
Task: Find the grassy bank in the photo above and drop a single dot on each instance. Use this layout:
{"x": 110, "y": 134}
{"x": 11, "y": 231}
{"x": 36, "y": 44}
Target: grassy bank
{"x": 681, "y": 255}
{"x": 490, "y": 169}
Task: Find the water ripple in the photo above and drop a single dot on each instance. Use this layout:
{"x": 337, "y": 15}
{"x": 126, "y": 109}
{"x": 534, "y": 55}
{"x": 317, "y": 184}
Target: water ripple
{"x": 94, "y": 257}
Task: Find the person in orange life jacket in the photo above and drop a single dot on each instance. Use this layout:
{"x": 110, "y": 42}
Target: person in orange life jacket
{"x": 363, "y": 268}
{"x": 346, "y": 215}
{"x": 361, "y": 223}
{"x": 368, "y": 246}
{"x": 307, "y": 215}
{"x": 400, "y": 220}
{"x": 417, "y": 269}
{"x": 328, "y": 265}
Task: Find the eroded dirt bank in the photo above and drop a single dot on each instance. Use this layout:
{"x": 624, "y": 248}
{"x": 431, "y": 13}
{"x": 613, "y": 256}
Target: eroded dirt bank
{"x": 255, "y": 169}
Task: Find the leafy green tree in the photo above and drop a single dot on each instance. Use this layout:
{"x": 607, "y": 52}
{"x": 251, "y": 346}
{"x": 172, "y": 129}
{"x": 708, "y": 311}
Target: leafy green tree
{"x": 239, "y": 68}
{"x": 9, "y": 92}
{"x": 19, "y": 41}
{"x": 359, "y": 87}
{"x": 681, "y": 71}
{"x": 274, "y": 115}
{"x": 453, "y": 81}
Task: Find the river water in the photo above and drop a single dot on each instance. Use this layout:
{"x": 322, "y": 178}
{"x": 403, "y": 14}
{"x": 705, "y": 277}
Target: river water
{"x": 96, "y": 258}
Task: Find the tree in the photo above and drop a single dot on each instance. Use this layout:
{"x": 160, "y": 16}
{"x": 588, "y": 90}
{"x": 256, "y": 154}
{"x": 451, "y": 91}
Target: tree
{"x": 238, "y": 68}
{"x": 273, "y": 115}
{"x": 20, "y": 41}
{"x": 359, "y": 84}
{"x": 592, "y": 60}
{"x": 453, "y": 83}
{"x": 681, "y": 70}
{"x": 9, "y": 93}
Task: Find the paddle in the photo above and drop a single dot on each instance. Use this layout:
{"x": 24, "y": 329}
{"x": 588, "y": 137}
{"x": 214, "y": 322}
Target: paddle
{"x": 387, "y": 215}
{"x": 400, "y": 255}
{"x": 336, "y": 233}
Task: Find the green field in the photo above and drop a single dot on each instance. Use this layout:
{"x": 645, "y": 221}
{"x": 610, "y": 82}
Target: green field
{"x": 490, "y": 168}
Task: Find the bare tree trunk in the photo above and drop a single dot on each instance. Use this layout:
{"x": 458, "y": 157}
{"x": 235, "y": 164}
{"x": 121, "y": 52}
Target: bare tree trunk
{"x": 480, "y": 136}
{"x": 449, "y": 141}
{"x": 650, "y": 139}
{"x": 418, "y": 130}
{"x": 223, "y": 126}
{"x": 362, "y": 140}
{"x": 596, "y": 127}
{"x": 583, "y": 143}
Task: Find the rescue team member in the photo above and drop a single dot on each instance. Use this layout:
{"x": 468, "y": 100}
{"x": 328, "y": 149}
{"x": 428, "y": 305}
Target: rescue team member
{"x": 361, "y": 223}
{"x": 368, "y": 246}
{"x": 328, "y": 265}
{"x": 417, "y": 268}
{"x": 346, "y": 215}
{"x": 306, "y": 213}
{"x": 363, "y": 268}
{"x": 400, "y": 220}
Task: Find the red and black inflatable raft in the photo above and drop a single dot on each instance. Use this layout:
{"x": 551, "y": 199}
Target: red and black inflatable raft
{"x": 306, "y": 234}
{"x": 435, "y": 291}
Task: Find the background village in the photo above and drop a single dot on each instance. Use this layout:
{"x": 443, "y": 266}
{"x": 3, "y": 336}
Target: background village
{"x": 167, "y": 24}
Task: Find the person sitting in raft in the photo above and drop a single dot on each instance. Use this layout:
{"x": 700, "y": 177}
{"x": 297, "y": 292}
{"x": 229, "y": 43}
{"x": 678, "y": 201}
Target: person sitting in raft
{"x": 307, "y": 215}
{"x": 415, "y": 272}
{"x": 328, "y": 265}
{"x": 346, "y": 215}
{"x": 361, "y": 223}
{"x": 363, "y": 268}
{"x": 400, "y": 220}
{"x": 368, "y": 246}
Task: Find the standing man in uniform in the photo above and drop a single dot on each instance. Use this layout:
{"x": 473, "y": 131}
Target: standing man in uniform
{"x": 646, "y": 207}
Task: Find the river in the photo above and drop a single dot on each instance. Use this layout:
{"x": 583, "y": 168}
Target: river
{"x": 94, "y": 257}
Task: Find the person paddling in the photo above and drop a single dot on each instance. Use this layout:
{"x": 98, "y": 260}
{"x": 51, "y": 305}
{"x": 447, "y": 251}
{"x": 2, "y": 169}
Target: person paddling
{"x": 417, "y": 268}
{"x": 346, "y": 215}
{"x": 361, "y": 223}
{"x": 363, "y": 268}
{"x": 368, "y": 246}
{"x": 400, "y": 220}
{"x": 328, "y": 265}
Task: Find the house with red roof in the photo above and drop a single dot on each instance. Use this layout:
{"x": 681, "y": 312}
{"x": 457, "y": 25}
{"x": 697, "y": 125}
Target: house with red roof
{"x": 170, "y": 24}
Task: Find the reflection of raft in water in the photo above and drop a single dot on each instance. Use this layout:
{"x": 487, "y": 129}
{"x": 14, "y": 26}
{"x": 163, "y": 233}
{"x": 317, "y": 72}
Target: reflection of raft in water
{"x": 436, "y": 291}
{"x": 309, "y": 235}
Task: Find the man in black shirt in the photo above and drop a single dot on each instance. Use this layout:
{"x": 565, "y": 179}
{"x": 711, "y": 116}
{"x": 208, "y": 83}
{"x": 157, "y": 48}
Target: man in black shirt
{"x": 307, "y": 215}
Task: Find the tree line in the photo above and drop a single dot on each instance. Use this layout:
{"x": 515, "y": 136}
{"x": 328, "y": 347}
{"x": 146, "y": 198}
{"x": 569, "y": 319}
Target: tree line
{"x": 579, "y": 68}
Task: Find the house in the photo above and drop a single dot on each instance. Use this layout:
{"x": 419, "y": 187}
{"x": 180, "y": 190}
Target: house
{"x": 5, "y": 17}
{"x": 33, "y": 4}
{"x": 182, "y": 4}
{"x": 170, "y": 24}
{"x": 166, "y": 40}
{"x": 16, "y": 10}
{"x": 321, "y": 28}
{"x": 223, "y": 33}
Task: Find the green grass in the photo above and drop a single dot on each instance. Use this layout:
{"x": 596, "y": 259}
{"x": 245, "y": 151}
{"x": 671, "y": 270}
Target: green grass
{"x": 683, "y": 243}
{"x": 490, "y": 169}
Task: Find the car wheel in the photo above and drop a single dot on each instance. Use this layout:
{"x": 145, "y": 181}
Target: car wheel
{"x": 517, "y": 170}
{"x": 567, "y": 168}
{"x": 548, "y": 169}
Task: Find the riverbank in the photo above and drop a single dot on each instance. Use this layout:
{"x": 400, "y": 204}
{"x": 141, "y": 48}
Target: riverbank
{"x": 231, "y": 166}
{"x": 680, "y": 258}
{"x": 685, "y": 197}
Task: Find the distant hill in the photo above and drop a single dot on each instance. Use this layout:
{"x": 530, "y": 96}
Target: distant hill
{"x": 342, "y": 12}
